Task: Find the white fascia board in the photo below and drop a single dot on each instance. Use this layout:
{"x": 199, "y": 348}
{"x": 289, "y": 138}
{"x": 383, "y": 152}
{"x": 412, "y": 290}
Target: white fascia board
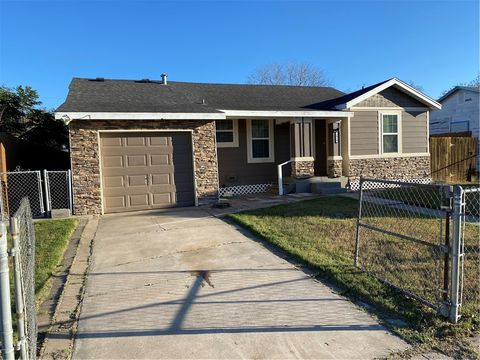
{"x": 286, "y": 114}
{"x": 405, "y": 87}
{"x": 69, "y": 116}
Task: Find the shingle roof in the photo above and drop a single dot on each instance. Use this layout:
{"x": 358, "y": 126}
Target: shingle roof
{"x": 91, "y": 95}
{"x": 451, "y": 91}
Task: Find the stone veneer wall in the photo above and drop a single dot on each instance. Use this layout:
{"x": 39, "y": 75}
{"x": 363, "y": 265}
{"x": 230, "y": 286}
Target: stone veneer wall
{"x": 84, "y": 154}
{"x": 390, "y": 168}
{"x": 334, "y": 168}
{"x": 302, "y": 169}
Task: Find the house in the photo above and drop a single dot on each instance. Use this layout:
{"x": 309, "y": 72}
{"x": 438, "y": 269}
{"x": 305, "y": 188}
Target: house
{"x": 459, "y": 113}
{"x": 150, "y": 144}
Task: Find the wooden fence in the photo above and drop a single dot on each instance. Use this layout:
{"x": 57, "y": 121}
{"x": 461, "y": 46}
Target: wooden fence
{"x": 454, "y": 159}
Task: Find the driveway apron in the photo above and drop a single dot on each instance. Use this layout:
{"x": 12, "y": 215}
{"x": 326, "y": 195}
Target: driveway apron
{"x": 183, "y": 284}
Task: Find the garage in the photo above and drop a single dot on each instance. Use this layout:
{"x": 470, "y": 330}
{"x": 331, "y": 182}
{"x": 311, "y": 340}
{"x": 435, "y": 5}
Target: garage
{"x": 146, "y": 170}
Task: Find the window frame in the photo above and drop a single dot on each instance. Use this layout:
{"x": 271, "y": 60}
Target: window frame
{"x": 271, "y": 147}
{"x": 228, "y": 144}
{"x": 398, "y": 133}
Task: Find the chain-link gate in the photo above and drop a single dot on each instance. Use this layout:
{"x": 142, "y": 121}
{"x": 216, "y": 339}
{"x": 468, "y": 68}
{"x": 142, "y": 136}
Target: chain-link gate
{"x": 410, "y": 237}
{"x": 58, "y": 189}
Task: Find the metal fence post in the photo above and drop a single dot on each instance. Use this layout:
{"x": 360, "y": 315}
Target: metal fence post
{"x": 47, "y": 191}
{"x": 19, "y": 289}
{"x": 359, "y": 216}
{"x": 5, "y": 304}
{"x": 455, "y": 288}
{"x": 69, "y": 184}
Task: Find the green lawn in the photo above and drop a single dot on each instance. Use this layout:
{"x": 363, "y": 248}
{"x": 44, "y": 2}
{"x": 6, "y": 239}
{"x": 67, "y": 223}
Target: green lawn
{"x": 321, "y": 233}
{"x": 52, "y": 237}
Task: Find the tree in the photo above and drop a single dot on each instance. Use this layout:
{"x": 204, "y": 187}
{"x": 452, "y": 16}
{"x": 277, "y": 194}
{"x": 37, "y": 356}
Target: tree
{"x": 416, "y": 86}
{"x": 293, "y": 73}
{"x": 21, "y": 117}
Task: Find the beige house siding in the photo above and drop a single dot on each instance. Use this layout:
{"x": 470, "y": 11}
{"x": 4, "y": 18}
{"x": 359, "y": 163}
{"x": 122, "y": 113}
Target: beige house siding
{"x": 364, "y": 133}
{"x": 364, "y": 136}
{"x": 390, "y": 97}
{"x": 414, "y": 132}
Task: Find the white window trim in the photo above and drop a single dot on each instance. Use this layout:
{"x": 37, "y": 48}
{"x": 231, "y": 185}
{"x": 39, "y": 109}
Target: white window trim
{"x": 398, "y": 133}
{"x": 233, "y": 143}
{"x": 271, "y": 148}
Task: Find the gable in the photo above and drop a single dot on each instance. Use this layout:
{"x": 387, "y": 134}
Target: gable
{"x": 390, "y": 97}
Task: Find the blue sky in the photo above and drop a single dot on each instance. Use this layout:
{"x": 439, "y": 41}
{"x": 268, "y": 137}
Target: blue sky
{"x": 44, "y": 44}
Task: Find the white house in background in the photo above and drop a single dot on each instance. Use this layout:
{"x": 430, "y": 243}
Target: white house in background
{"x": 459, "y": 113}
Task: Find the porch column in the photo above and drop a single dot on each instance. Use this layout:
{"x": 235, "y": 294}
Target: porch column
{"x": 301, "y": 147}
{"x": 334, "y": 159}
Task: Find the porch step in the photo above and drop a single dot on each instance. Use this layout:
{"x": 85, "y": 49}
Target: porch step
{"x": 327, "y": 188}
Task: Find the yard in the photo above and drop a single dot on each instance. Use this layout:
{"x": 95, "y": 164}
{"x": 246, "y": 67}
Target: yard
{"x": 52, "y": 237}
{"x": 51, "y": 240}
{"x": 321, "y": 234}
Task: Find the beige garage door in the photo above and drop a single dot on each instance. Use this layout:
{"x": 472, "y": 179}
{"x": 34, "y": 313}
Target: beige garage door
{"x": 146, "y": 170}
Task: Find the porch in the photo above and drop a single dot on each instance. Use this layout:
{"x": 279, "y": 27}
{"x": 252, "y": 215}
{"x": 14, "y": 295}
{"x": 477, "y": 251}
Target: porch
{"x": 262, "y": 152}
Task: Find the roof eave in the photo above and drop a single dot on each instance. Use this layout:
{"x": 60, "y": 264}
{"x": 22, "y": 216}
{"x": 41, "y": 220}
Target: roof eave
{"x": 68, "y": 116}
{"x": 405, "y": 87}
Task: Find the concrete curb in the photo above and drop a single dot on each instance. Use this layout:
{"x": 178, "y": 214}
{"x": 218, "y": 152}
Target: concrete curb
{"x": 60, "y": 336}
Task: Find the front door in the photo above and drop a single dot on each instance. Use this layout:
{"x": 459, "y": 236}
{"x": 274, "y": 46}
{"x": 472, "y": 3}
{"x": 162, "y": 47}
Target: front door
{"x": 320, "y": 148}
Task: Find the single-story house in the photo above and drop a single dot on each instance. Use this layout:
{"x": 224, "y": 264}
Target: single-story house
{"x": 142, "y": 144}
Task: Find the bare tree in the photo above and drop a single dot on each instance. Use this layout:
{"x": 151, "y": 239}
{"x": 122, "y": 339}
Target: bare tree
{"x": 416, "y": 86}
{"x": 474, "y": 82}
{"x": 293, "y": 73}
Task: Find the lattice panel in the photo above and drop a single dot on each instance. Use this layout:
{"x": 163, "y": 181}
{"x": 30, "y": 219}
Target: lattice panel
{"x": 244, "y": 189}
{"x": 369, "y": 185}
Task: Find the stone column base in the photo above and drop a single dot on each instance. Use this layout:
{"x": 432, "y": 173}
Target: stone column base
{"x": 334, "y": 168}
{"x": 302, "y": 169}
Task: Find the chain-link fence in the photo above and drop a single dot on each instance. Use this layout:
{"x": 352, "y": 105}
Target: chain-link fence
{"x": 20, "y": 184}
{"x": 58, "y": 189}
{"x": 23, "y": 235}
{"x": 46, "y": 191}
{"x": 22, "y": 251}
{"x": 411, "y": 236}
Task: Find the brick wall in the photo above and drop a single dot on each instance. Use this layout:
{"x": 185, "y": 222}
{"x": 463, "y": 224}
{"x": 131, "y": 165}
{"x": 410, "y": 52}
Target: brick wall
{"x": 390, "y": 168}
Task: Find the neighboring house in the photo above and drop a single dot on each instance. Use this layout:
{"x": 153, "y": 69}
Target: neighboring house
{"x": 151, "y": 144}
{"x": 459, "y": 113}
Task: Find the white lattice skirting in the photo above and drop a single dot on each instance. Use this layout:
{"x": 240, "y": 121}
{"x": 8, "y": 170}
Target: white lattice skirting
{"x": 244, "y": 189}
{"x": 369, "y": 185}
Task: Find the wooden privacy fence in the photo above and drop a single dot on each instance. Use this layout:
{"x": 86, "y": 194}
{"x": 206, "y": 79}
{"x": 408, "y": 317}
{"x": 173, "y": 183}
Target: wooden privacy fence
{"x": 453, "y": 159}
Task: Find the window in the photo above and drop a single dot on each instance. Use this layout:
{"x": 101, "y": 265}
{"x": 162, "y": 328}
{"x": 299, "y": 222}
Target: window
{"x": 260, "y": 141}
{"x": 390, "y": 133}
{"x": 227, "y": 133}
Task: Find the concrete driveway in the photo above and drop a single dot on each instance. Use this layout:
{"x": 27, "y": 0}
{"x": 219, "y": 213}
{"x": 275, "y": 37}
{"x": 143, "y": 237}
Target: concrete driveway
{"x": 183, "y": 284}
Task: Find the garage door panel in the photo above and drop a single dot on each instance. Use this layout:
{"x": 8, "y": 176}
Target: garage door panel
{"x": 137, "y": 180}
{"x": 163, "y": 199}
{"x": 136, "y": 160}
{"x": 110, "y": 161}
{"x": 161, "y": 179}
{"x": 112, "y": 202}
{"x": 135, "y": 141}
{"x": 111, "y": 142}
{"x": 160, "y": 141}
{"x": 138, "y": 200}
{"x": 164, "y": 159}
{"x": 113, "y": 181}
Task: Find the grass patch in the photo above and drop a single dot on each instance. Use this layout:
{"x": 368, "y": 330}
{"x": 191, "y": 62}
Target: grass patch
{"x": 321, "y": 233}
{"x": 52, "y": 238}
